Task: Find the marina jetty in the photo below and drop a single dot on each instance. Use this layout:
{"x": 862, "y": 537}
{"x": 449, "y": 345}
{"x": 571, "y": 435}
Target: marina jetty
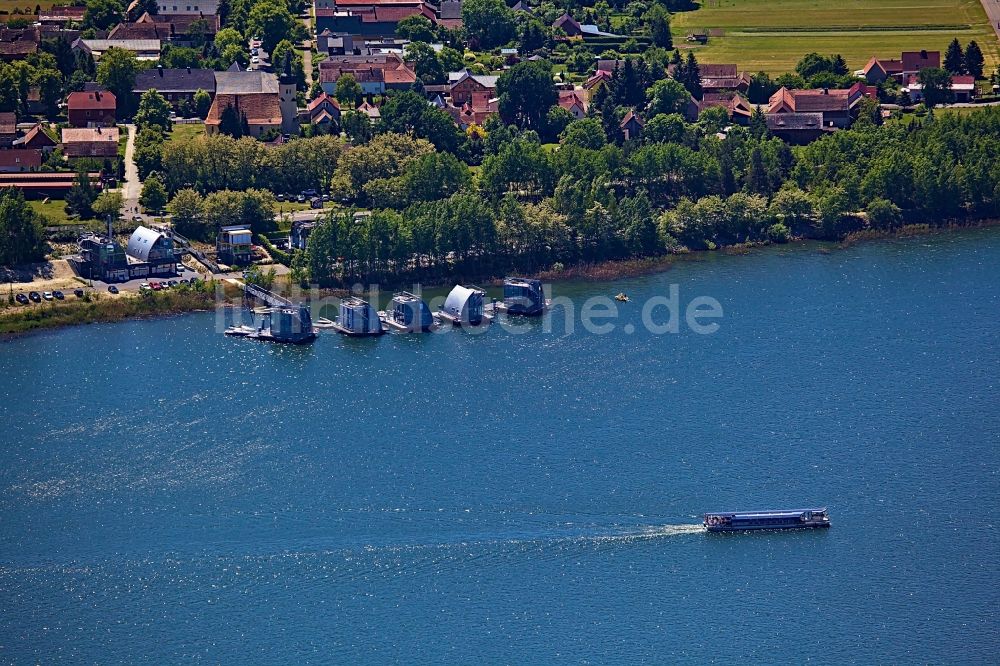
{"x": 276, "y": 320}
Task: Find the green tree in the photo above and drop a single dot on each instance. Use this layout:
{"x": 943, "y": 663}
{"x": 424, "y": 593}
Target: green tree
{"x": 154, "y": 194}
{"x": 974, "y": 60}
{"x": 667, "y": 96}
{"x": 586, "y": 133}
{"x": 883, "y": 214}
{"x": 116, "y": 72}
{"x": 154, "y": 110}
{"x": 272, "y": 22}
{"x": 954, "y": 59}
{"x": 416, "y": 28}
{"x": 348, "y": 91}
{"x": 286, "y": 57}
{"x": 936, "y": 84}
{"x": 108, "y": 203}
{"x": 230, "y": 122}
{"x": 228, "y": 37}
{"x": 22, "y": 238}
{"x": 80, "y": 198}
{"x": 488, "y": 23}
{"x": 103, "y": 14}
{"x": 658, "y": 19}
{"x": 665, "y": 128}
{"x": 526, "y": 93}
{"x": 202, "y": 102}
{"x": 186, "y": 210}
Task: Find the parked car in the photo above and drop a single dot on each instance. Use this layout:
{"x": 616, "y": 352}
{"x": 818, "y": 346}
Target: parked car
{"x": 78, "y": 293}
{"x": 137, "y": 218}
{"x": 155, "y": 286}
{"x": 22, "y": 299}
{"x": 35, "y": 296}
{"x": 184, "y": 280}
{"x": 309, "y": 193}
{"x": 59, "y": 295}
{"x": 47, "y": 295}
{"x": 316, "y": 203}
{"x": 255, "y": 51}
{"x": 326, "y": 197}
{"x": 112, "y": 289}
{"x": 171, "y": 283}
{"x": 301, "y": 198}
{"x": 279, "y": 197}
{"x": 255, "y": 60}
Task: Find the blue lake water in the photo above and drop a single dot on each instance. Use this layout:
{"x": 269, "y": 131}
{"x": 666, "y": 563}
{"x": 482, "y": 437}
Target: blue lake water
{"x": 170, "y": 494}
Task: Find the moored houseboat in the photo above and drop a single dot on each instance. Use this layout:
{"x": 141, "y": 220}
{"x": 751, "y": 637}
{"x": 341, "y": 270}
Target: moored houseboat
{"x": 283, "y": 323}
{"x": 408, "y": 313}
{"x": 738, "y": 521}
{"x": 358, "y": 318}
{"x": 465, "y": 306}
{"x": 523, "y": 296}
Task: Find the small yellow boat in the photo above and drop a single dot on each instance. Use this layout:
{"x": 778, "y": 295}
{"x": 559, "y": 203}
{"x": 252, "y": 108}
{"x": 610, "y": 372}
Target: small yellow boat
{"x": 622, "y": 297}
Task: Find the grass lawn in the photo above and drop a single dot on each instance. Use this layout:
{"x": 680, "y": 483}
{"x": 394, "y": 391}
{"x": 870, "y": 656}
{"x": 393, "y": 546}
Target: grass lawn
{"x": 54, "y": 210}
{"x": 186, "y": 131}
{"x": 28, "y": 7}
{"x": 772, "y": 35}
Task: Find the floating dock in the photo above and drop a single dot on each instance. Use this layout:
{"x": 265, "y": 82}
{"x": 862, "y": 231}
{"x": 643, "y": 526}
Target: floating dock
{"x": 279, "y": 320}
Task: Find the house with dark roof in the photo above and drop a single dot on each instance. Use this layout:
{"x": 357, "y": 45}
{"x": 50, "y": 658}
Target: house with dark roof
{"x": 631, "y": 126}
{"x": 175, "y": 84}
{"x": 574, "y": 28}
{"x": 144, "y": 49}
{"x": 796, "y": 127}
{"x": 16, "y": 50}
{"x": 463, "y": 85}
{"x": 738, "y": 108}
{"x": 15, "y": 160}
{"x": 914, "y": 61}
{"x": 368, "y": 18}
{"x": 8, "y": 127}
{"x": 91, "y": 109}
{"x": 262, "y": 91}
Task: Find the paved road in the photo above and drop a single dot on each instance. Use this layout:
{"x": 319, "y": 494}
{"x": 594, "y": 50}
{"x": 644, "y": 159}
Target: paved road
{"x": 992, "y": 8}
{"x": 132, "y": 187}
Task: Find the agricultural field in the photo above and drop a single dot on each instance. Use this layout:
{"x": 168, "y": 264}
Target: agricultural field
{"x": 8, "y": 6}
{"x": 771, "y": 35}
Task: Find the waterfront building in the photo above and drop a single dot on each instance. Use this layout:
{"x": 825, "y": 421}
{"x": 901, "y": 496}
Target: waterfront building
{"x": 234, "y": 244}
{"x": 409, "y": 312}
{"x": 464, "y": 306}
{"x": 358, "y": 317}
{"x": 523, "y": 296}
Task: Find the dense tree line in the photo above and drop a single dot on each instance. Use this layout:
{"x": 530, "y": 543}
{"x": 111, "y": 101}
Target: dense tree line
{"x": 594, "y": 200}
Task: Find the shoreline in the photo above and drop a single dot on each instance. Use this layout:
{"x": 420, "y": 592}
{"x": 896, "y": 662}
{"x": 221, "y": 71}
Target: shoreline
{"x": 15, "y": 323}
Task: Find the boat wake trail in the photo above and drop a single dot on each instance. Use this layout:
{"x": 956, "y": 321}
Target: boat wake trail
{"x": 653, "y": 532}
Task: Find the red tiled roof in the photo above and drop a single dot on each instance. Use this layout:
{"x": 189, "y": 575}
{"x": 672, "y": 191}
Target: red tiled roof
{"x": 101, "y": 101}
{"x": 319, "y": 101}
{"x": 963, "y": 80}
{"x": 710, "y": 71}
{"x": 21, "y": 47}
{"x": 259, "y": 108}
{"x": 37, "y": 138}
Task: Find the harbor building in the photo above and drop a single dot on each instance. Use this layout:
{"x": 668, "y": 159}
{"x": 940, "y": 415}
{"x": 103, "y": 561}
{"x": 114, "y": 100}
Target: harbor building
{"x": 522, "y": 296}
{"x": 465, "y": 306}
{"x": 409, "y": 313}
{"x": 234, "y": 244}
{"x": 150, "y": 253}
{"x": 100, "y": 257}
{"x": 358, "y": 318}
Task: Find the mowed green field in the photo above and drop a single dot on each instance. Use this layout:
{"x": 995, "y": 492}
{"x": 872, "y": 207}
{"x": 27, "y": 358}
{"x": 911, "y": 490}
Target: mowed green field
{"x": 10, "y": 5}
{"x": 771, "y": 35}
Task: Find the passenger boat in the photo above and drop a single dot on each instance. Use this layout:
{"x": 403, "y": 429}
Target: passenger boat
{"x": 738, "y": 521}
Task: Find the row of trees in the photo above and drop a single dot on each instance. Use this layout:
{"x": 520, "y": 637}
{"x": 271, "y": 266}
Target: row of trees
{"x": 594, "y": 200}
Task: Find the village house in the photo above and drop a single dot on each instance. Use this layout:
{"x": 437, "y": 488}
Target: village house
{"x": 324, "y": 110}
{"x": 91, "y": 109}
{"x": 144, "y": 49}
{"x": 267, "y": 101}
{"x": 60, "y": 16}
{"x": 835, "y": 105}
{"x": 144, "y": 28}
{"x": 14, "y": 160}
{"x": 368, "y": 18}
{"x": 375, "y": 73}
{"x": 8, "y": 128}
{"x": 963, "y": 88}
{"x": 99, "y": 142}
{"x": 878, "y": 70}
{"x": 573, "y": 28}
{"x": 462, "y": 86}
{"x": 574, "y": 101}
{"x": 736, "y": 105}
{"x": 334, "y": 44}
{"x": 796, "y": 128}
{"x": 475, "y": 111}
{"x": 176, "y": 85}
{"x": 631, "y": 126}
{"x": 36, "y": 139}
{"x": 718, "y": 78}
{"x": 17, "y": 49}
{"x": 188, "y": 7}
